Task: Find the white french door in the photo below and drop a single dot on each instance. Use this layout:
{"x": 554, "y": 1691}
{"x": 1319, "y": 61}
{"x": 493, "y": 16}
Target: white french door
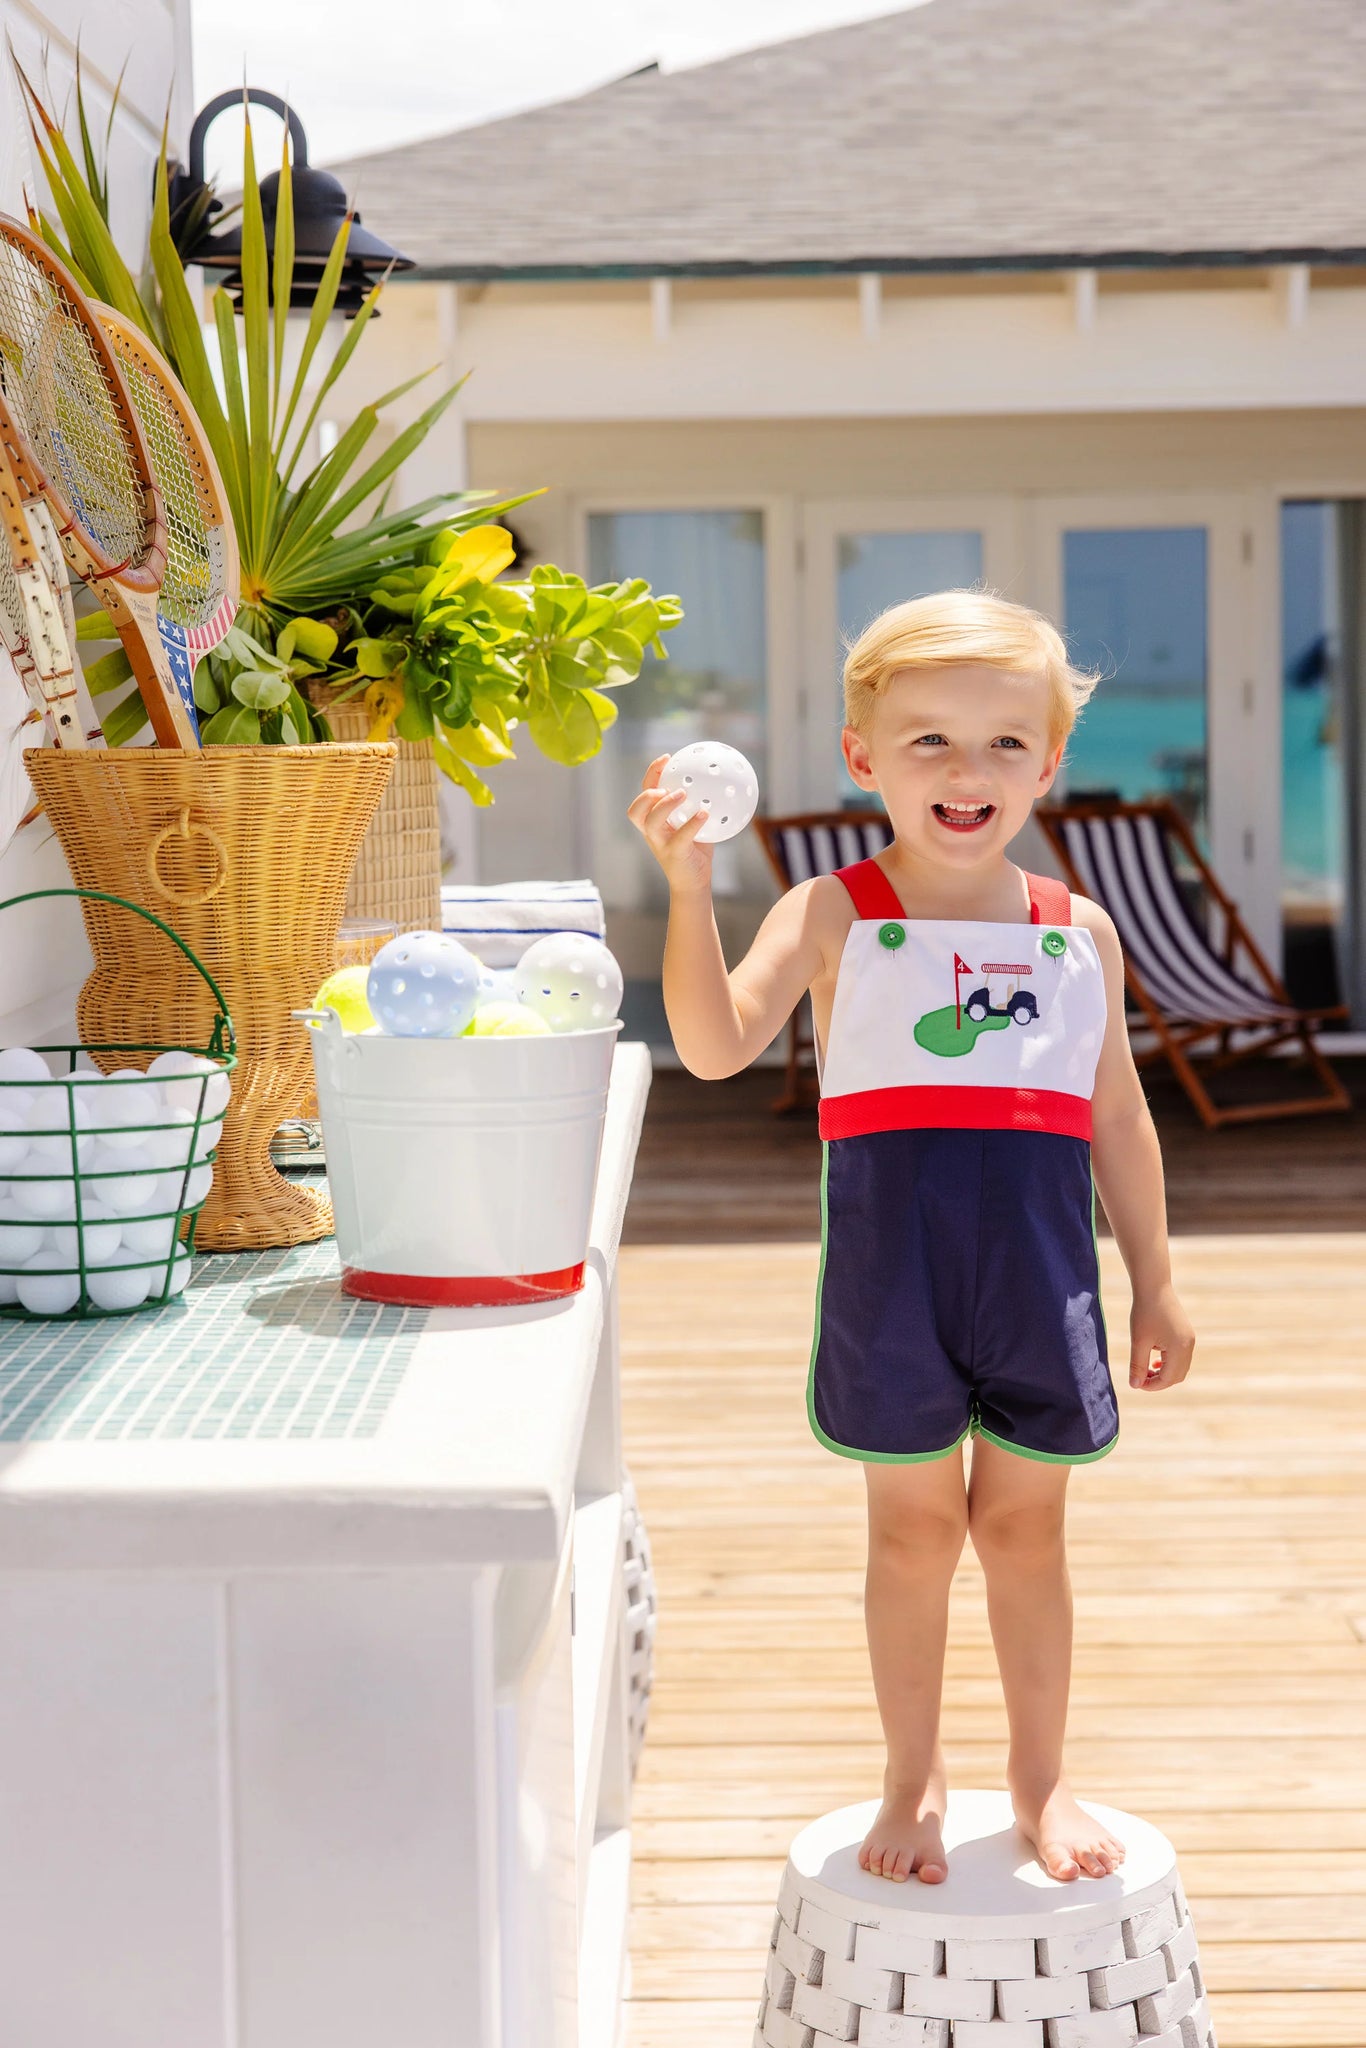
{"x": 1173, "y": 600}
{"x": 859, "y": 556}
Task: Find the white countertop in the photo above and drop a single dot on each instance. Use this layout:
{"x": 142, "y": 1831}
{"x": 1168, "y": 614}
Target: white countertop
{"x": 473, "y": 1461}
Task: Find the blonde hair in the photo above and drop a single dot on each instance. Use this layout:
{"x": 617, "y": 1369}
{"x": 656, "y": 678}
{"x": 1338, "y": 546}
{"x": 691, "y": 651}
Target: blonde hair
{"x": 969, "y": 626}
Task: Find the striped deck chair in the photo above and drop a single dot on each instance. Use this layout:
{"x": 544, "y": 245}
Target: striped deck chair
{"x": 814, "y": 843}
{"x": 1215, "y": 994}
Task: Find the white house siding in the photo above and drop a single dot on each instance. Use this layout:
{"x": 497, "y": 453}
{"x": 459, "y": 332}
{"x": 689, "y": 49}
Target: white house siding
{"x": 42, "y": 948}
{"x": 789, "y": 392}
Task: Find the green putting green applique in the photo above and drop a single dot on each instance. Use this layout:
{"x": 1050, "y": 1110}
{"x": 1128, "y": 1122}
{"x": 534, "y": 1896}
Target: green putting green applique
{"x": 955, "y": 1029}
{"x": 939, "y": 1031}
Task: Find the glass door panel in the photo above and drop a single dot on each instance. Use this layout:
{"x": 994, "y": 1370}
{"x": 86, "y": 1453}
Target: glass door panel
{"x": 712, "y": 686}
{"x": 1135, "y": 608}
{"x": 878, "y": 569}
{"x": 1313, "y": 791}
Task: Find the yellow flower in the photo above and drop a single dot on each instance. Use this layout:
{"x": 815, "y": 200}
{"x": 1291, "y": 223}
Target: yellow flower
{"x": 384, "y": 701}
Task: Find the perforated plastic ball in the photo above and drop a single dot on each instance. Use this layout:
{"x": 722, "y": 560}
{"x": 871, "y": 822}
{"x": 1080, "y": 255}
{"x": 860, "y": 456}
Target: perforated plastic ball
{"x": 423, "y": 985}
{"x": 716, "y": 779}
{"x": 570, "y": 980}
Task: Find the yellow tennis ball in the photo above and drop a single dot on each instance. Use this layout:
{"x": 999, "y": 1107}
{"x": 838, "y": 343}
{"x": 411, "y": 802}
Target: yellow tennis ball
{"x": 506, "y": 1020}
{"x": 344, "y": 992}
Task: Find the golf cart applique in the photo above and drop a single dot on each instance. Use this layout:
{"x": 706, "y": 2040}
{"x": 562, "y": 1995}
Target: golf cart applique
{"x": 994, "y": 1004}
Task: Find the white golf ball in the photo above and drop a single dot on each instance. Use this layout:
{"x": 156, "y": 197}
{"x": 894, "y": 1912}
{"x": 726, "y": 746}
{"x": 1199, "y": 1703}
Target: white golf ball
{"x": 20, "y": 1236}
{"x": 19, "y": 1064}
{"x": 13, "y": 1134}
{"x": 126, "y": 1108}
{"x": 116, "y": 1287}
{"x": 180, "y": 1273}
{"x": 51, "y": 1201}
{"x": 98, "y": 1233}
{"x": 43, "y": 1292}
{"x": 9, "y": 1292}
{"x": 571, "y": 980}
{"x": 196, "y": 1188}
{"x": 117, "y": 1177}
{"x": 714, "y": 778}
{"x": 150, "y": 1237}
{"x": 50, "y": 1121}
{"x": 181, "y": 1075}
{"x": 170, "y": 1146}
{"x": 209, "y": 1134}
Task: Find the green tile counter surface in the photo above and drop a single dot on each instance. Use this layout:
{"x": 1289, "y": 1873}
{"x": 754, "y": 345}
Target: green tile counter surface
{"x": 261, "y": 1345}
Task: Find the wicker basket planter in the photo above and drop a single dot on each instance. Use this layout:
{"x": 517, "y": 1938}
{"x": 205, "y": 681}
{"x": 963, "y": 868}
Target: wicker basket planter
{"x": 246, "y": 852}
{"x": 398, "y": 869}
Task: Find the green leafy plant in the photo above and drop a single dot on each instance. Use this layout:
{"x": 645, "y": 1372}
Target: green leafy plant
{"x": 299, "y": 546}
{"x": 443, "y": 651}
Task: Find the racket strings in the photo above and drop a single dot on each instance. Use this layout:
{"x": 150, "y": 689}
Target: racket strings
{"x": 68, "y": 409}
{"x": 195, "y": 580}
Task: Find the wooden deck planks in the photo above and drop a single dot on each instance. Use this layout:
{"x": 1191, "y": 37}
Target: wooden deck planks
{"x": 1219, "y": 1564}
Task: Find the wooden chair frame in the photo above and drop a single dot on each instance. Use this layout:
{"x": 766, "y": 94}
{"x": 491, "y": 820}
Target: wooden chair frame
{"x": 1176, "y": 1041}
{"x": 801, "y": 1087}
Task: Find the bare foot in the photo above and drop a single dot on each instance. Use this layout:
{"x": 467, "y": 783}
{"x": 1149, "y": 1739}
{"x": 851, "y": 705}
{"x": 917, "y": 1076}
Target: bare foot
{"x": 1069, "y": 1842}
{"x": 906, "y": 1839}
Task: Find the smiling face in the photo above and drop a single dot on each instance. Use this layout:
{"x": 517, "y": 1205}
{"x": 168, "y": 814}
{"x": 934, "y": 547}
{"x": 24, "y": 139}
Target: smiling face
{"x": 959, "y": 756}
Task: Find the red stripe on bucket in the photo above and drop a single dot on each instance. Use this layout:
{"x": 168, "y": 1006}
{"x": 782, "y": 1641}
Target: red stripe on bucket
{"x": 424, "y": 1290}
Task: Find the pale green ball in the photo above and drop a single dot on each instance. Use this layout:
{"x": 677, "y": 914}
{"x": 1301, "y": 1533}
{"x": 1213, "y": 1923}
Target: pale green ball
{"x": 506, "y": 1020}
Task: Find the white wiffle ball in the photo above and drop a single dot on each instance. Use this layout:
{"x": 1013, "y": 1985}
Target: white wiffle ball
{"x": 571, "y": 980}
{"x": 716, "y": 779}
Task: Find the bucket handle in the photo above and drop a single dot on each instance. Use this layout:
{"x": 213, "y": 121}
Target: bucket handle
{"x": 187, "y": 827}
{"x": 224, "y": 1038}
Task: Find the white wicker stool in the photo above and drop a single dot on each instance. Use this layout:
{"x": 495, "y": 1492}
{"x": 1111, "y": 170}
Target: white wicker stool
{"x": 998, "y": 1956}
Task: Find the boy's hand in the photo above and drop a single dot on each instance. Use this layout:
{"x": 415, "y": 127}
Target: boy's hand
{"x": 675, "y": 847}
{"x": 1159, "y": 1323}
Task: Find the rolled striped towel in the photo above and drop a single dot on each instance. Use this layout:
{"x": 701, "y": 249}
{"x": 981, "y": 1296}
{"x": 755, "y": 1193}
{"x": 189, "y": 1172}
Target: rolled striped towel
{"x": 498, "y": 921}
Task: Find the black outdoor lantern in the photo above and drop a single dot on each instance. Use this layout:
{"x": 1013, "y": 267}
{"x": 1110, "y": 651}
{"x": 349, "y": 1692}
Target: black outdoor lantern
{"x": 319, "y": 209}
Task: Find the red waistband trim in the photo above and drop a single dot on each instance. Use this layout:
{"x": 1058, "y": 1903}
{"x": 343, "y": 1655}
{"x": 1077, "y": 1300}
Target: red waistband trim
{"x": 426, "y": 1290}
{"x": 955, "y": 1109}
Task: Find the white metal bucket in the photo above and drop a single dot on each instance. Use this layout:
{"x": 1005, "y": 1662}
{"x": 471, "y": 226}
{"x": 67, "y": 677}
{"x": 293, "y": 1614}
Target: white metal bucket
{"x": 462, "y": 1169}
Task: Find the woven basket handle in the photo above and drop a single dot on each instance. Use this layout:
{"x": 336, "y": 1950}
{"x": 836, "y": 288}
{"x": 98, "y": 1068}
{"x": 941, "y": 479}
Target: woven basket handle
{"x": 187, "y": 827}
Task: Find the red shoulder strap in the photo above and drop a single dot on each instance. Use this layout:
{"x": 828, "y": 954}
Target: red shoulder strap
{"x": 873, "y": 894}
{"x": 1050, "y": 901}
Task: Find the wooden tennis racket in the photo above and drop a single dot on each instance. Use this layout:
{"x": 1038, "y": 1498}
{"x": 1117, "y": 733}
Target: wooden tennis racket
{"x": 67, "y": 412}
{"x": 198, "y": 598}
{"x": 36, "y": 620}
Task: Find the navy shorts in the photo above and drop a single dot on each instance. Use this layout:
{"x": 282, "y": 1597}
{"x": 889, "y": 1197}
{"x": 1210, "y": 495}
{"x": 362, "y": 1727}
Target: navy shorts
{"x": 959, "y": 1294}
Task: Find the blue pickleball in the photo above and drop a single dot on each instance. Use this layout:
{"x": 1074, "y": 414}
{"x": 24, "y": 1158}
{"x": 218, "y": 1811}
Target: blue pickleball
{"x": 423, "y": 985}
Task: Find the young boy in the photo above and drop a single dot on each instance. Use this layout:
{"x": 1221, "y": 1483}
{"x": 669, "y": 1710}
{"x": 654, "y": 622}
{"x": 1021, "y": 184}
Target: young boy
{"x": 975, "y": 1073}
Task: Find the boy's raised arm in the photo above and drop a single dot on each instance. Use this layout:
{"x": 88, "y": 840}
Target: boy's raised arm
{"x": 720, "y": 1021}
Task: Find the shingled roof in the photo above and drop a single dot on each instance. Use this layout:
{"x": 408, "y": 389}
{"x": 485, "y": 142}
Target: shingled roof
{"x": 960, "y": 134}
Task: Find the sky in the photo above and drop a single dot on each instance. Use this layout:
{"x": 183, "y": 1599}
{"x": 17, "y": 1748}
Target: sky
{"x": 364, "y": 76}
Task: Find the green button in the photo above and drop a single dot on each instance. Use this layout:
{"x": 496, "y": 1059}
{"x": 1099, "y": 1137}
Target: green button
{"x": 892, "y": 936}
{"x": 1054, "y": 943}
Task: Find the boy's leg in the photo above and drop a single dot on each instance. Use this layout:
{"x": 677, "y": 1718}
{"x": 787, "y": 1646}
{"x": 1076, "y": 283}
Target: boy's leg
{"x": 1015, "y": 1514}
{"x": 917, "y": 1519}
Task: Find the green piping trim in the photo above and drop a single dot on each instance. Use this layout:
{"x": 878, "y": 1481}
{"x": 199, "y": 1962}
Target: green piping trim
{"x": 1049, "y": 1457}
{"x": 1095, "y": 1241}
{"x": 844, "y": 1450}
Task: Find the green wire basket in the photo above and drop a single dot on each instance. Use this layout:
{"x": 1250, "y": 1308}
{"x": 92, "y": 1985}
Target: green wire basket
{"x": 59, "y": 1150}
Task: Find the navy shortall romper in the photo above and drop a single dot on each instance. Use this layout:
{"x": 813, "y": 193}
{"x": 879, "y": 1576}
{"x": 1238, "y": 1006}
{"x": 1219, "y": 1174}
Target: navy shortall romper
{"x": 959, "y": 1292}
